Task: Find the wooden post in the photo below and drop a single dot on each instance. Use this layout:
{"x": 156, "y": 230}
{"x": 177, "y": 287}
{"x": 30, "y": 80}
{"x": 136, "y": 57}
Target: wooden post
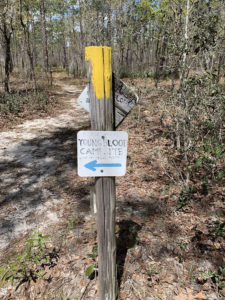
{"x": 99, "y": 71}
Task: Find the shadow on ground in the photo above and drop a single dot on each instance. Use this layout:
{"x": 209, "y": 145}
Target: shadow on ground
{"x": 40, "y": 172}
{"x": 128, "y": 237}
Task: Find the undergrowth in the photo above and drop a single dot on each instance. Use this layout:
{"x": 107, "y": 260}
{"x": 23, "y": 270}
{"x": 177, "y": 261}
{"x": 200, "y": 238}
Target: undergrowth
{"x": 18, "y": 102}
{"x": 195, "y": 124}
{"x": 30, "y": 264}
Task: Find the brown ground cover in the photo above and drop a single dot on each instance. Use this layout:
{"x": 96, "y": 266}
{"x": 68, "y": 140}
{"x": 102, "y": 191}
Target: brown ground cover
{"x": 163, "y": 252}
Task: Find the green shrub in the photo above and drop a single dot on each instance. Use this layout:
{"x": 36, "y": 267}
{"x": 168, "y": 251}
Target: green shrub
{"x": 184, "y": 197}
{"x": 91, "y": 270}
{"x": 18, "y": 102}
{"x": 28, "y": 266}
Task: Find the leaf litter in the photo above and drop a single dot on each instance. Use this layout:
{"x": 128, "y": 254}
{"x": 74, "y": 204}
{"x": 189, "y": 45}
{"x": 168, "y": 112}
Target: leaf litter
{"x": 162, "y": 252}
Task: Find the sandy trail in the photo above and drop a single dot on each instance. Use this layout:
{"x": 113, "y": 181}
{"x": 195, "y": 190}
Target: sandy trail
{"x": 30, "y": 157}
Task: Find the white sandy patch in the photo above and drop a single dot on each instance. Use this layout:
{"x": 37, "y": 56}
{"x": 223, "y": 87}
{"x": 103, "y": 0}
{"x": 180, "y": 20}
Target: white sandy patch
{"x": 29, "y": 156}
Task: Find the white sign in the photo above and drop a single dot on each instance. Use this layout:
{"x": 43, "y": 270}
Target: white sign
{"x": 102, "y": 153}
{"x": 125, "y": 100}
{"x": 84, "y": 100}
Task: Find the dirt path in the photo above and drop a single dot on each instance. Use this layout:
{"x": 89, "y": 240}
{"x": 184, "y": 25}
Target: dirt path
{"x": 31, "y": 155}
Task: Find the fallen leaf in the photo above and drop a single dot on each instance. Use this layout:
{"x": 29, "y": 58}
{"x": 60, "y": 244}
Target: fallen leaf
{"x": 170, "y": 278}
{"x": 37, "y": 289}
{"x": 76, "y": 257}
{"x": 123, "y": 296}
{"x": 183, "y": 296}
{"x": 217, "y": 245}
{"x": 57, "y": 274}
{"x": 200, "y": 296}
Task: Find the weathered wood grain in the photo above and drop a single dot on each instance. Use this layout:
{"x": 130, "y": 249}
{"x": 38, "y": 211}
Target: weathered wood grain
{"x": 102, "y": 118}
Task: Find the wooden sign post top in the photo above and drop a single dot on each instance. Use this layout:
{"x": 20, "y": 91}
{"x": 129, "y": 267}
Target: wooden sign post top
{"x": 101, "y": 77}
{"x": 100, "y": 62}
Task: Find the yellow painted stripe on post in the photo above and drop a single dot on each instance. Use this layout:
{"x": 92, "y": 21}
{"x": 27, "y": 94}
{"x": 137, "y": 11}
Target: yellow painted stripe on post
{"x": 100, "y": 62}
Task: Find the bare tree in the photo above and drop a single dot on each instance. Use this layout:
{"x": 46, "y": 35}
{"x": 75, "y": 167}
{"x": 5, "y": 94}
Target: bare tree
{"x": 27, "y": 40}
{"x": 44, "y": 35}
{"x": 6, "y": 29}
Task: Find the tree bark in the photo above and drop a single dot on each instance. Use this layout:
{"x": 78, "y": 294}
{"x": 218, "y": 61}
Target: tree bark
{"x": 44, "y": 36}
{"x": 81, "y": 32}
{"x": 6, "y": 35}
{"x": 8, "y": 58}
{"x": 182, "y": 126}
{"x": 184, "y": 62}
{"x": 28, "y": 46}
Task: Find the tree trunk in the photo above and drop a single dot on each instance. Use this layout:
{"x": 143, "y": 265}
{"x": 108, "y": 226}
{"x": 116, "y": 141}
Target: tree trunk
{"x": 63, "y": 33}
{"x": 6, "y": 35}
{"x": 44, "y": 36}
{"x": 162, "y": 58}
{"x": 8, "y": 58}
{"x": 182, "y": 126}
{"x": 65, "y": 61}
{"x": 156, "y": 71}
{"x": 7, "y": 65}
{"x": 81, "y": 33}
{"x": 184, "y": 62}
{"x": 28, "y": 46}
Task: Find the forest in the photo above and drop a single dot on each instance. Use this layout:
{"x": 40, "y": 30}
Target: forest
{"x": 170, "y": 215}
{"x": 148, "y": 38}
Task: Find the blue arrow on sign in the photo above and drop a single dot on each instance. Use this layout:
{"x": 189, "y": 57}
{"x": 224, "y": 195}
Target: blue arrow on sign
{"x": 92, "y": 165}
